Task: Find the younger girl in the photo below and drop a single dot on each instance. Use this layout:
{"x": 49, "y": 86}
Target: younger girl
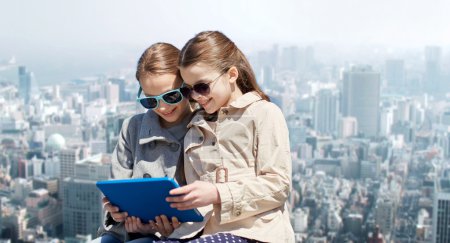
{"x": 150, "y": 144}
{"x": 237, "y": 158}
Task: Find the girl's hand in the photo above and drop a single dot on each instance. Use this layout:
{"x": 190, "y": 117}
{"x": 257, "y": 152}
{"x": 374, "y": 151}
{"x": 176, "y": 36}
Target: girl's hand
{"x": 134, "y": 225}
{"x": 114, "y": 211}
{"x": 162, "y": 225}
{"x": 197, "y": 194}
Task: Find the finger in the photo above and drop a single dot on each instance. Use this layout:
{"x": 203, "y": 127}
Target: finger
{"x": 119, "y": 217}
{"x": 140, "y": 227}
{"x": 133, "y": 224}
{"x": 152, "y": 225}
{"x": 160, "y": 226}
{"x": 127, "y": 225}
{"x": 175, "y": 222}
{"x": 105, "y": 200}
{"x": 110, "y": 208}
{"x": 182, "y": 198}
{"x": 183, "y": 205}
{"x": 166, "y": 223}
{"x": 181, "y": 190}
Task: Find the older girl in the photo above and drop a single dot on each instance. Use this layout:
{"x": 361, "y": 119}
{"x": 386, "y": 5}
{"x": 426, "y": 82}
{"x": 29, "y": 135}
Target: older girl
{"x": 237, "y": 158}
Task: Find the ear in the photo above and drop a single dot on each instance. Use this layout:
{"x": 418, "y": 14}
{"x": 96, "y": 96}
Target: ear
{"x": 233, "y": 72}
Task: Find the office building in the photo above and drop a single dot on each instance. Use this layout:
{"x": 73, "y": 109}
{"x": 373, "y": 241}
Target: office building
{"x": 441, "y": 211}
{"x": 361, "y": 97}
{"x": 326, "y": 111}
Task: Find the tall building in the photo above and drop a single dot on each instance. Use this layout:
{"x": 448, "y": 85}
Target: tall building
{"x": 25, "y": 83}
{"x": 441, "y": 211}
{"x": 326, "y": 111}
{"x": 113, "y": 125}
{"x": 395, "y": 73}
{"x": 433, "y": 84}
{"x": 112, "y": 93}
{"x": 82, "y": 208}
{"x": 361, "y": 97}
{"x": 386, "y": 121}
{"x": 67, "y": 158}
{"x": 121, "y": 83}
{"x": 384, "y": 214}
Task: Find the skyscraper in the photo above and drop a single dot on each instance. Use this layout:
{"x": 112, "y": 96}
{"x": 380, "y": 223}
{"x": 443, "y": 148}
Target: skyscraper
{"x": 395, "y": 73}
{"x": 326, "y": 110}
{"x": 25, "y": 82}
{"x": 360, "y": 98}
{"x": 433, "y": 84}
{"x": 68, "y": 157}
{"x": 82, "y": 208}
{"x": 441, "y": 211}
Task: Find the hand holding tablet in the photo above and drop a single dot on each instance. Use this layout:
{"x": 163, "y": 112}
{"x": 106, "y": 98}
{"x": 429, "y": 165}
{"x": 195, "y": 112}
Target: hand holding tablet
{"x": 146, "y": 198}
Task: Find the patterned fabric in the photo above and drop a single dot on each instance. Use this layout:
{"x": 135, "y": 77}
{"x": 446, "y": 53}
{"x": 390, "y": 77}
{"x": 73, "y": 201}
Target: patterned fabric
{"x": 219, "y": 237}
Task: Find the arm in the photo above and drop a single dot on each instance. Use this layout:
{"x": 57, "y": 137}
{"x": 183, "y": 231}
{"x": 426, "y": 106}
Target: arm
{"x": 270, "y": 188}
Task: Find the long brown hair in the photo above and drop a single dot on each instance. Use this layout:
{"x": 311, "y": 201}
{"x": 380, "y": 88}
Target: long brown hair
{"x": 159, "y": 58}
{"x": 218, "y": 51}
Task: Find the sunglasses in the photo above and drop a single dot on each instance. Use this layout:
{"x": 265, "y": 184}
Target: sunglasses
{"x": 203, "y": 88}
{"x": 170, "y": 97}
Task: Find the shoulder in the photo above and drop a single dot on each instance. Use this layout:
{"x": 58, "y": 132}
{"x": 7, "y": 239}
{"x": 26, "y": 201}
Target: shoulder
{"x": 263, "y": 108}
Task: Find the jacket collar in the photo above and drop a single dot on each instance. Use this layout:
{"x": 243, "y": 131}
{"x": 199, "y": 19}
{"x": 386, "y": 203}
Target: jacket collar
{"x": 151, "y": 128}
{"x": 245, "y": 100}
{"x": 241, "y": 102}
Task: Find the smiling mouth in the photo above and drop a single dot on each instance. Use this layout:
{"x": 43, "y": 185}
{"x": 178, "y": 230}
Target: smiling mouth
{"x": 205, "y": 103}
{"x": 169, "y": 113}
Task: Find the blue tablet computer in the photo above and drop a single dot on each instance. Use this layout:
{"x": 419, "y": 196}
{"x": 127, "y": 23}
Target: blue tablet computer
{"x": 146, "y": 198}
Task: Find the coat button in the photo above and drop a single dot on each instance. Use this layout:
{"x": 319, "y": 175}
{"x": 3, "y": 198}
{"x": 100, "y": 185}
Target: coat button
{"x": 147, "y": 175}
{"x": 238, "y": 212}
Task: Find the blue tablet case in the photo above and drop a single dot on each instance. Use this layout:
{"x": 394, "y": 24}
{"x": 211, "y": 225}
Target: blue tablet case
{"x": 146, "y": 198}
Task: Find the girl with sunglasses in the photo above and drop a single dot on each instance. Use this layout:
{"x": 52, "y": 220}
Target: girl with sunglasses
{"x": 151, "y": 144}
{"x": 237, "y": 158}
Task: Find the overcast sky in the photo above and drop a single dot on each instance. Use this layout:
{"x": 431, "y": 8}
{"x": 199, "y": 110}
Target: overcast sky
{"x": 88, "y": 22}
{"x": 67, "y": 27}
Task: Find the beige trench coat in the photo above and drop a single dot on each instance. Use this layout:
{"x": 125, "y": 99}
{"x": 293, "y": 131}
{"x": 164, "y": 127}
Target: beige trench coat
{"x": 246, "y": 155}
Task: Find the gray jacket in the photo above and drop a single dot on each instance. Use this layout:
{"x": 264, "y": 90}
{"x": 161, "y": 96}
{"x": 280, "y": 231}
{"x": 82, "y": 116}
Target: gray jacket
{"x": 145, "y": 149}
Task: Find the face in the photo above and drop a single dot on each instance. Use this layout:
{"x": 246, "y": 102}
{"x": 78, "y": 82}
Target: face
{"x": 153, "y": 85}
{"x": 222, "y": 86}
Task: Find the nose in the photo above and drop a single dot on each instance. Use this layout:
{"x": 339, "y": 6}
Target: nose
{"x": 163, "y": 106}
{"x": 194, "y": 95}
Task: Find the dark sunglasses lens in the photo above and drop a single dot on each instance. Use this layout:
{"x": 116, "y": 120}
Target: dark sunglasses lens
{"x": 185, "y": 91}
{"x": 172, "y": 97}
{"x": 201, "y": 88}
{"x": 149, "y": 103}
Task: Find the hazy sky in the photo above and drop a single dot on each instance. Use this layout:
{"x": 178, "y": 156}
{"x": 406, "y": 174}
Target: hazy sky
{"x": 69, "y": 28}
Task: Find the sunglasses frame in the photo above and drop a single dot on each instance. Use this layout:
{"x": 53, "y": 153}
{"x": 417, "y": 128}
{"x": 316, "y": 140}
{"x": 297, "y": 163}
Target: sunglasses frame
{"x": 192, "y": 88}
{"x": 160, "y": 97}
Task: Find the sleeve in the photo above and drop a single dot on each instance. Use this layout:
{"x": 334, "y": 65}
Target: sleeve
{"x": 122, "y": 159}
{"x": 270, "y": 188}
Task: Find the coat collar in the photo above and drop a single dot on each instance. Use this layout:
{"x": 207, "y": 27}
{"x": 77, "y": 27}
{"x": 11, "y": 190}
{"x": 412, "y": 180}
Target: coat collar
{"x": 151, "y": 129}
{"x": 245, "y": 100}
{"x": 241, "y": 102}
